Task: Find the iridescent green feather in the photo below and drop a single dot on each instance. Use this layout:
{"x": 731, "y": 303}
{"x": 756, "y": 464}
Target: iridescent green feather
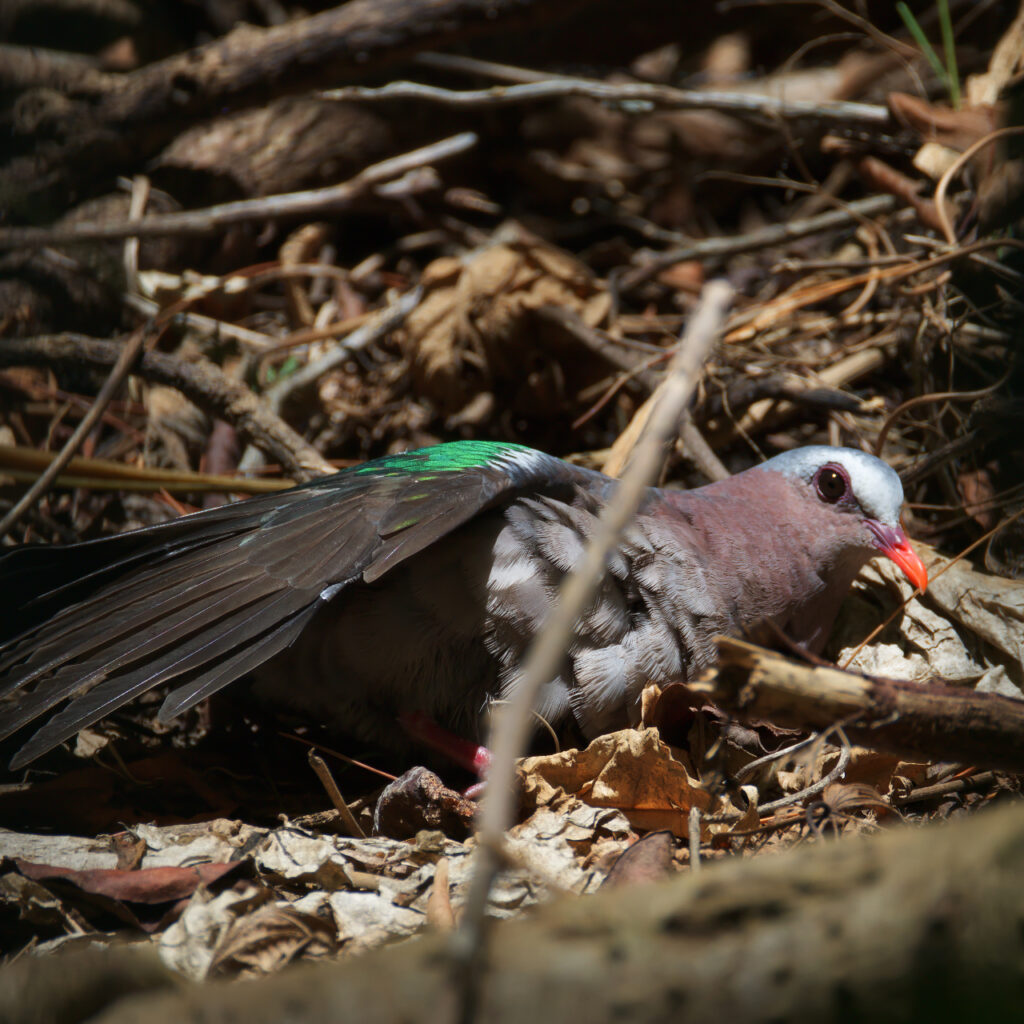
{"x": 443, "y": 458}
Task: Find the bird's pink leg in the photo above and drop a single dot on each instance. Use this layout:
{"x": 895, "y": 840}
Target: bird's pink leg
{"x": 471, "y": 756}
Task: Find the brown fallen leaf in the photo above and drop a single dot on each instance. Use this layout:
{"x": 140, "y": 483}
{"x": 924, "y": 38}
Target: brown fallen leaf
{"x": 843, "y": 797}
{"x": 632, "y": 770}
{"x": 148, "y": 885}
{"x": 647, "y": 860}
{"x": 476, "y": 326}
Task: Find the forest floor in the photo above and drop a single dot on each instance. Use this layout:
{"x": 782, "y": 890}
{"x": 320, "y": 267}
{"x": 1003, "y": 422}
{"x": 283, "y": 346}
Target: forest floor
{"x": 341, "y": 233}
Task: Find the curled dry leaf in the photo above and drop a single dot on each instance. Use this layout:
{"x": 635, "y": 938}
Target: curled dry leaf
{"x": 146, "y": 885}
{"x": 843, "y": 797}
{"x": 751, "y": 816}
{"x": 632, "y": 770}
{"x": 475, "y": 328}
{"x": 647, "y": 860}
{"x": 264, "y": 941}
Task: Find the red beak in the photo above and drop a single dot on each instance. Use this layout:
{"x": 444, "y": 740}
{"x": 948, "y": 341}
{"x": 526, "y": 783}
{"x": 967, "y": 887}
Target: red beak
{"x": 892, "y": 541}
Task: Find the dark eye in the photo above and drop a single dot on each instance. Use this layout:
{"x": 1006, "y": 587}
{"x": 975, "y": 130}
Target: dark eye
{"x": 831, "y": 484}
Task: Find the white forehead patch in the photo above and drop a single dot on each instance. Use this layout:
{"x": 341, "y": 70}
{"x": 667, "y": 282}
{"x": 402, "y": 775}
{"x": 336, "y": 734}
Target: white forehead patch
{"x": 876, "y": 486}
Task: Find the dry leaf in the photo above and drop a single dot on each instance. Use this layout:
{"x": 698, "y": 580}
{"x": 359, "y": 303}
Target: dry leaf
{"x": 270, "y": 938}
{"x": 474, "y": 327}
{"x": 647, "y": 860}
{"x": 632, "y": 770}
{"x": 842, "y": 797}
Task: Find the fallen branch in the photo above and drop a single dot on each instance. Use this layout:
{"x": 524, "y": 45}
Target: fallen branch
{"x": 311, "y": 202}
{"x": 630, "y": 94}
{"x": 761, "y": 238}
{"x": 932, "y": 722}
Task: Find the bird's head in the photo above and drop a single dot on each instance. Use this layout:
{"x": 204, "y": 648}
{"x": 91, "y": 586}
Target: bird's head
{"x": 862, "y": 491}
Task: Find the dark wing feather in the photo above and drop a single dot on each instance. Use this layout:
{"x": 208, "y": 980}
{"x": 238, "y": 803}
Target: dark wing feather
{"x": 206, "y": 598}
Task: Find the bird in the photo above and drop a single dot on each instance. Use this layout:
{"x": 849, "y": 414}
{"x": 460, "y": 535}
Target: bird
{"x": 415, "y": 583}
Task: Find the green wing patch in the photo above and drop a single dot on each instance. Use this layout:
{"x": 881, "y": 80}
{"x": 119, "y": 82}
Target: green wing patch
{"x": 442, "y": 458}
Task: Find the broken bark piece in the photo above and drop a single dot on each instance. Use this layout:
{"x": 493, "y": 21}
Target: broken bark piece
{"x": 420, "y": 800}
{"x": 931, "y": 722}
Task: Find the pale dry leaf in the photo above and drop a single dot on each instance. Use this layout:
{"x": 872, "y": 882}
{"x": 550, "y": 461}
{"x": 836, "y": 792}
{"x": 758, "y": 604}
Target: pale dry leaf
{"x": 89, "y": 742}
{"x": 439, "y": 905}
{"x": 188, "y": 945}
{"x": 921, "y": 644}
{"x": 265, "y": 941}
{"x": 750, "y": 818}
{"x": 989, "y": 606}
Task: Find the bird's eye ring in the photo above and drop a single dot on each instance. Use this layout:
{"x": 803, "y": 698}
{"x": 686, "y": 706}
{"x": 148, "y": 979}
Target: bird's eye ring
{"x": 831, "y": 484}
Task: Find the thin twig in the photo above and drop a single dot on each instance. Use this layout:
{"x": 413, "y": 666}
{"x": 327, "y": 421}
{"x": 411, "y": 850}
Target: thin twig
{"x": 939, "y": 396}
{"x": 127, "y": 355}
{"x": 957, "y": 785}
{"x": 205, "y": 326}
{"x": 23, "y": 463}
{"x": 381, "y": 323}
{"x": 761, "y": 238}
{"x": 634, "y": 96}
{"x": 323, "y": 773}
{"x": 200, "y": 381}
{"x": 478, "y": 68}
{"x": 955, "y": 167}
{"x": 311, "y": 202}
{"x": 340, "y": 756}
{"x": 513, "y": 724}
{"x": 776, "y": 755}
{"x": 693, "y": 837}
{"x": 700, "y": 453}
{"x": 837, "y": 772}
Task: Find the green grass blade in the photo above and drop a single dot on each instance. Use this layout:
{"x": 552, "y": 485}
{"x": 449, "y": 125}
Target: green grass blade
{"x": 949, "y": 48}
{"x": 922, "y": 41}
